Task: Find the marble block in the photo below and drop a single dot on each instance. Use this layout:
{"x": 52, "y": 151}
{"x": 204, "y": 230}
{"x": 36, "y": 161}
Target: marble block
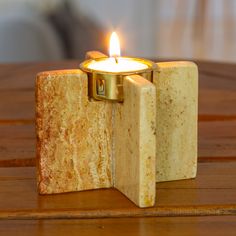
{"x": 74, "y": 134}
{"x": 176, "y": 118}
{"x": 134, "y": 141}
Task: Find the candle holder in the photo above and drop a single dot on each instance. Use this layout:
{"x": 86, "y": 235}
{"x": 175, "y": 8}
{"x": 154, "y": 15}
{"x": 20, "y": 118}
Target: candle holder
{"x": 140, "y": 127}
{"x": 108, "y": 85}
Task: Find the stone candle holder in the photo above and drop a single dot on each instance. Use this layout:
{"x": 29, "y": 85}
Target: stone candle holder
{"x": 148, "y": 136}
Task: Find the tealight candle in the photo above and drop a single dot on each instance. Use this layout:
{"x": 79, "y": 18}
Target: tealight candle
{"x": 106, "y": 74}
{"x": 122, "y": 65}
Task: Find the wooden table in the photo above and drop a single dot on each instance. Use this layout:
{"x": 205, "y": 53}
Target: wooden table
{"x": 202, "y": 206}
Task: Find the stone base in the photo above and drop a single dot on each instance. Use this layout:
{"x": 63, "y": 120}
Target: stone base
{"x": 85, "y": 144}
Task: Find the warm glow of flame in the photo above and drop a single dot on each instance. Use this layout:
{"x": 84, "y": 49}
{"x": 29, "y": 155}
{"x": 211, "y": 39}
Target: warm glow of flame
{"x": 114, "y": 49}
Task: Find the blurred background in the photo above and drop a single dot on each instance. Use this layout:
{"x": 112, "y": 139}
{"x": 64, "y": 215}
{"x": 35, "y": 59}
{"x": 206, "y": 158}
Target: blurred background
{"x": 47, "y": 30}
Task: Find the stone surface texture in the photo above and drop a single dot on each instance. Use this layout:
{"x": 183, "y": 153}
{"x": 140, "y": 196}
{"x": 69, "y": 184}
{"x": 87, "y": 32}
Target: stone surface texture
{"x": 74, "y": 134}
{"x": 134, "y": 141}
{"x": 176, "y": 117}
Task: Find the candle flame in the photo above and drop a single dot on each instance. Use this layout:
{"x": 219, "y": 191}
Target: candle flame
{"x": 114, "y": 49}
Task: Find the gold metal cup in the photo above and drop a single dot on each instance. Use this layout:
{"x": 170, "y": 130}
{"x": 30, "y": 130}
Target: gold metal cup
{"x": 104, "y": 85}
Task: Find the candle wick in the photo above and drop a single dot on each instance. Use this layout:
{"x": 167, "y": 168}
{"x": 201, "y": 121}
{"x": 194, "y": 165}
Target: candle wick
{"x": 116, "y": 59}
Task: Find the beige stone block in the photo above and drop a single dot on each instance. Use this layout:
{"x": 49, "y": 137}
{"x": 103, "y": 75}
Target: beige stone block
{"x": 94, "y": 55}
{"x": 176, "y": 108}
{"x": 134, "y": 141}
{"x": 85, "y": 144}
{"x": 74, "y": 134}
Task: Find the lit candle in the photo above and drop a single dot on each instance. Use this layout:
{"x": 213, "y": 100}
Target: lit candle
{"x": 116, "y": 63}
{"x": 123, "y": 65}
{"x": 106, "y": 74}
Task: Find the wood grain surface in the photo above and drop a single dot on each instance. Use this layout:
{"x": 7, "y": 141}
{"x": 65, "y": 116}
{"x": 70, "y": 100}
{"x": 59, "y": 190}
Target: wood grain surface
{"x": 203, "y": 195}
{"x": 210, "y": 199}
{"x": 168, "y": 226}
